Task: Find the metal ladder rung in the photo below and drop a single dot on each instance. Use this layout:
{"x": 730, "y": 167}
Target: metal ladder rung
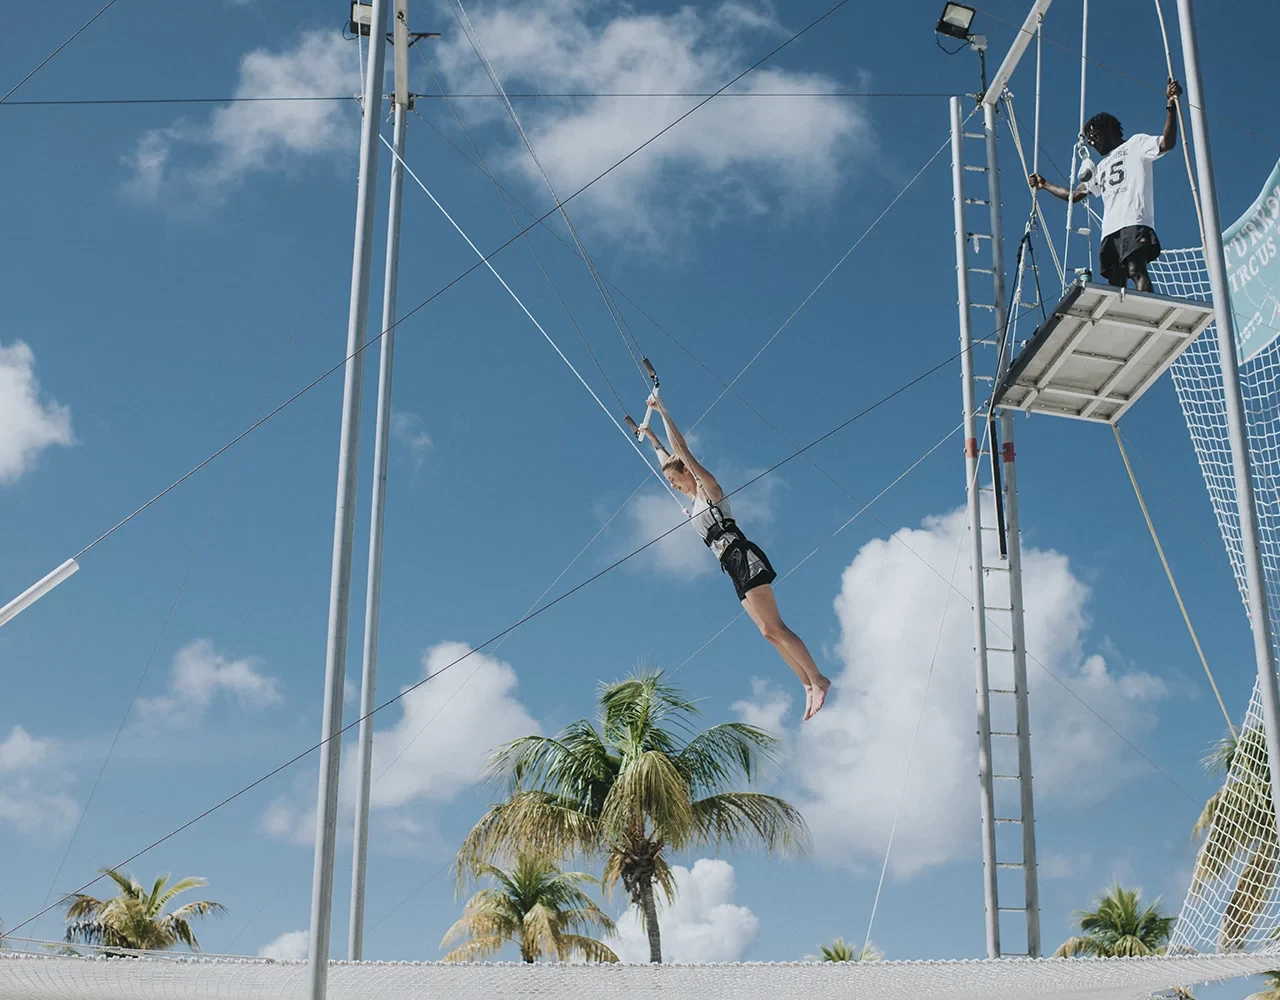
{"x": 975, "y": 169}
{"x": 1001, "y": 691}
{"x": 992, "y": 607}
{"x": 984, "y": 378}
{"x": 981, "y": 305}
{"x": 1008, "y": 777}
{"x": 1008, "y": 819}
{"x": 975, "y": 135}
{"x": 978, "y": 236}
{"x": 1010, "y": 864}
{"x": 1012, "y": 909}
{"x": 982, "y": 270}
{"x": 1010, "y": 735}
{"x": 976, "y": 201}
{"x": 999, "y": 649}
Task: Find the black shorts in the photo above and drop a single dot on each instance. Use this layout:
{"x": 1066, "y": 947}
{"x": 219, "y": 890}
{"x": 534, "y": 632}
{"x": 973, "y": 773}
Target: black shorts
{"x": 747, "y": 566}
{"x": 1129, "y": 243}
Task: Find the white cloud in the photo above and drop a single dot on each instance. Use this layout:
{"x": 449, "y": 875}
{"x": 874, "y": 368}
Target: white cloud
{"x": 1067, "y": 865}
{"x": 200, "y": 673}
{"x": 855, "y": 750}
{"x": 733, "y": 155}
{"x": 436, "y": 748}
{"x": 28, "y": 425}
{"x": 702, "y": 925}
{"x": 461, "y": 716}
{"x": 407, "y": 429}
{"x": 291, "y": 945}
{"x": 203, "y": 160}
{"x": 766, "y": 709}
{"x": 29, "y": 777}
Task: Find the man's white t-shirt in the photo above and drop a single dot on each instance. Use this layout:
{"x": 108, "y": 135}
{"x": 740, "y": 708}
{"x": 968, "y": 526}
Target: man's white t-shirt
{"x": 1123, "y": 181}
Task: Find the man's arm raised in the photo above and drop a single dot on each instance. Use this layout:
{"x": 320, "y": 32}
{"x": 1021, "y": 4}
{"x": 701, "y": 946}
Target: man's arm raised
{"x": 1169, "y": 138}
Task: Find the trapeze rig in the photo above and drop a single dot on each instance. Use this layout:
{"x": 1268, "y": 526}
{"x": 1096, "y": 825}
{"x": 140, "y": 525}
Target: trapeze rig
{"x": 1093, "y": 356}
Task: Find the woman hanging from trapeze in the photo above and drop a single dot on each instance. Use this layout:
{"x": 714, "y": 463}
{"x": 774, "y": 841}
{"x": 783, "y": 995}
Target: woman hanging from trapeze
{"x": 743, "y": 560}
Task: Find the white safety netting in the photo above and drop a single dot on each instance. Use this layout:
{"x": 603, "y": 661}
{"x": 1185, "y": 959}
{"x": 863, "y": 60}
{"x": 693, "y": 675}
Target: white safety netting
{"x": 31, "y": 977}
{"x": 1232, "y": 902}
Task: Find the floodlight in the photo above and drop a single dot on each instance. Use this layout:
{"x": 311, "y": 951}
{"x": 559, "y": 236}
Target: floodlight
{"x": 955, "y": 21}
{"x": 362, "y": 18}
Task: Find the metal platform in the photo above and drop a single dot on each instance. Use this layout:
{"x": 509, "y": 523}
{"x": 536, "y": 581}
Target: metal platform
{"x": 1099, "y": 351}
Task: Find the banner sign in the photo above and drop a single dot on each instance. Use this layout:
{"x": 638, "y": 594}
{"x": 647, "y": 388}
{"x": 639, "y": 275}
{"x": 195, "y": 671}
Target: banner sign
{"x": 1253, "y": 269}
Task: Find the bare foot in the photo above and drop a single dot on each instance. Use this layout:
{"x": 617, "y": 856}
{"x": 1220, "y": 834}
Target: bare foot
{"x": 817, "y": 696}
{"x": 808, "y": 702}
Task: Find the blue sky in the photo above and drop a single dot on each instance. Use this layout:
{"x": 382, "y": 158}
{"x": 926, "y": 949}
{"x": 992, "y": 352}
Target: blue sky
{"x": 159, "y": 262}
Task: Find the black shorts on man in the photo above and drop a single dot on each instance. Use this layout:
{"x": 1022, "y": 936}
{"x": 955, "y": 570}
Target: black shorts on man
{"x": 747, "y": 566}
{"x": 1129, "y": 243}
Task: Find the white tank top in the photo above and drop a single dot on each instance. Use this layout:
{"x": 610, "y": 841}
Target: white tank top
{"x": 704, "y": 520}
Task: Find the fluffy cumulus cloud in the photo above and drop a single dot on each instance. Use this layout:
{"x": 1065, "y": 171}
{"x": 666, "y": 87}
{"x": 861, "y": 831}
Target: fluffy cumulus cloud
{"x": 203, "y": 159}
{"x": 702, "y": 925}
{"x": 291, "y": 945}
{"x": 856, "y": 750}
{"x": 201, "y": 675}
{"x": 437, "y": 745}
{"x": 28, "y": 423}
{"x": 733, "y": 155}
{"x": 30, "y": 776}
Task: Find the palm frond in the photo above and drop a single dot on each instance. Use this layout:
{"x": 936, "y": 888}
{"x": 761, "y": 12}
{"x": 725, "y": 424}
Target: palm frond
{"x": 725, "y": 753}
{"x": 1075, "y": 946}
{"x": 1252, "y": 890}
{"x": 649, "y": 787}
{"x": 476, "y": 949}
{"x": 736, "y": 819}
{"x": 589, "y": 949}
{"x": 530, "y": 821}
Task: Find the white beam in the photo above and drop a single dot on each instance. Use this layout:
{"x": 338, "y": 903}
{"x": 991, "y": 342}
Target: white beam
{"x": 1020, "y": 43}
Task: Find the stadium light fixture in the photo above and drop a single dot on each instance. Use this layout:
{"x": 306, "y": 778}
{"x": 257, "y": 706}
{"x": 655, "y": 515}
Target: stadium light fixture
{"x": 955, "y": 21}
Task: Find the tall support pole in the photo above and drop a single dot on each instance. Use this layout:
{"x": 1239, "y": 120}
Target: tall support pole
{"x": 1242, "y": 467}
{"x": 377, "y": 508}
{"x": 974, "y": 509}
{"x": 1014, "y": 552}
{"x": 344, "y": 520}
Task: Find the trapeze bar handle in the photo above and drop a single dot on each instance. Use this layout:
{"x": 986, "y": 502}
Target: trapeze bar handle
{"x": 653, "y": 375}
{"x": 37, "y": 590}
{"x": 631, "y": 424}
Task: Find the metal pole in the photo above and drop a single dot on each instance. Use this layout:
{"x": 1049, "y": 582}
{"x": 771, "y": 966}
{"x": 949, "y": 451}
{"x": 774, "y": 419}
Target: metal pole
{"x": 377, "y": 508}
{"x": 1242, "y": 467}
{"x": 344, "y": 519}
{"x": 974, "y": 511}
{"x": 1020, "y": 42}
{"x": 1075, "y": 150}
{"x": 1018, "y": 635}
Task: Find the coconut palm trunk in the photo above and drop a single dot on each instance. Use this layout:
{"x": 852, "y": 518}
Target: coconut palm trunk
{"x": 650, "y": 910}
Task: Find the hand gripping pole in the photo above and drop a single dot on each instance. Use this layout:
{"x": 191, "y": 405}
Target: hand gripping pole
{"x": 638, "y": 431}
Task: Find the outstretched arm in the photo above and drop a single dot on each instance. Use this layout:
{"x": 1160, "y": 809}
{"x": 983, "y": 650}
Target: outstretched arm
{"x": 658, "y": 446}
{"x": 678, "y": 444}
{"x": 1038, "y": 183}
{"x": 1169, "y": 138}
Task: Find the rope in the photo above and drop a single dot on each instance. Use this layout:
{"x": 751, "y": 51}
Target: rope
{"x": 337, "y": 735}
{"x": 44, "y": 62}
{"x": 484, "y": 166}
{"x": 195, "y": 556}
{"x": 628, "y": 338}
{"x": 1182, "y": 131}
{"x": 1137, "y": 491}
{"x": 1075, "y": 152}
{"x": 563, "y": 357}
{"x": 924, "y": 700}
{"x": 835, "y": 267}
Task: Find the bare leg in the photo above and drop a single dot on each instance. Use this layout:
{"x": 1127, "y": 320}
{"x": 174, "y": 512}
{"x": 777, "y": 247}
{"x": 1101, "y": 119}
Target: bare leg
{"x": 762, "y": 606}
{"x": 1138, "y": 272}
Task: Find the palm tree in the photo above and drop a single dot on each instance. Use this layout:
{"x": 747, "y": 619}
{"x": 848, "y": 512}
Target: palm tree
{"x": 1272, "y": 991}
{"x": 1247, "y": 832}
{"x": 535, "y": 905}
{"x": 136, "y": 918}
{"x": 1119, "y": 928}
{"x": 642, "y": 785}
{"x": 840, "y": 951}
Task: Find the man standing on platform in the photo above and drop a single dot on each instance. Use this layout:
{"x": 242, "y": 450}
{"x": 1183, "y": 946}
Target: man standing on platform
{"x": 1123, "y": 181}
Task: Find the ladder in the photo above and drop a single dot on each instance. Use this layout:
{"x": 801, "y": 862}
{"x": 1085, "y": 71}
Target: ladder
{"x": 1010, "y": 888}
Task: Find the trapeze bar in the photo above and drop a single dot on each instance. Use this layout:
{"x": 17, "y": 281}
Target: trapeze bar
{"x": 1099, "y": 351}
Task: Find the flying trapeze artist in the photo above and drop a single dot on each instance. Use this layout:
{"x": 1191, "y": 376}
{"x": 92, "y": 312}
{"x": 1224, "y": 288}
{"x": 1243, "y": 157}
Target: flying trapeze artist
{"x": 1123, "y": 180}
{"x": 743, "y": 560}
